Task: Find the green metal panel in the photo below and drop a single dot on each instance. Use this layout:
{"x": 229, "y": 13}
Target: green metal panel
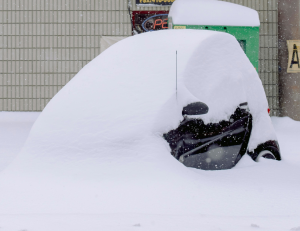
{"x": 248, "y": 38}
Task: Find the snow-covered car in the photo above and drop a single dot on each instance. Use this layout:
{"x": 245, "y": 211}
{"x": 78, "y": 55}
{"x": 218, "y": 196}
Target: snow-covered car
{"x": 122, "y": 103}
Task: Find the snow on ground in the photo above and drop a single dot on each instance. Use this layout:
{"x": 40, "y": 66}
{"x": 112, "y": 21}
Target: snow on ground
{"x": 14, "y": 128}
{"x": 288, "y": 133}
{"x": 14, "y": 131}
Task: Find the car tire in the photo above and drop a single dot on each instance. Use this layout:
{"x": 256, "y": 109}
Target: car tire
{"x": 267, "y": 150}
{"x": 265, "y": 154}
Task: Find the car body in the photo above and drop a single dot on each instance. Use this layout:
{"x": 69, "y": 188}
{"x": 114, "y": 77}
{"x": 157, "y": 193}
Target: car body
{"x": 123, "y": 101}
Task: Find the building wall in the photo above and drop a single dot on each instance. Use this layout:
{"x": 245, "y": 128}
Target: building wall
{"x": 44, "y": 43}
{"x": 289, "y": 83}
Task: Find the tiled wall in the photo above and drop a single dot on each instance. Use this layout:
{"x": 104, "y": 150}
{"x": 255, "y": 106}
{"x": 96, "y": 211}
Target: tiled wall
{"x": 44, "y": 43}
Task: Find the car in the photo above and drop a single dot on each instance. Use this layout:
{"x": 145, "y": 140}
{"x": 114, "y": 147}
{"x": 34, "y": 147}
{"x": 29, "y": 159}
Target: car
{"x": 216, "y": 146}
{"x": 122, "y": 103}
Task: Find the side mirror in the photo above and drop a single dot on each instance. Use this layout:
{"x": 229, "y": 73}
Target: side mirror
{"x": 197, "y": 108}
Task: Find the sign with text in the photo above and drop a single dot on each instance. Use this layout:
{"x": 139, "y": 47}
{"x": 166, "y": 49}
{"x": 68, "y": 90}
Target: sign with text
{"x": 144, "y": 21}
{"x": 155, "y": 2}
{"x": 294, "y": 50}
{"x": 155, "y": 22}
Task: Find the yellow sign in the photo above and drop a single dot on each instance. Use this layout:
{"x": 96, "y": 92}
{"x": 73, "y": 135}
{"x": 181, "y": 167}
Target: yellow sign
{"x": 294, "y": 55}
{"x": 179, "y": 27}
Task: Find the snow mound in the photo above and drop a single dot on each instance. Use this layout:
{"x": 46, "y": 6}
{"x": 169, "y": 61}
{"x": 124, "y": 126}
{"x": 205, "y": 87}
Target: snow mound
{"x": 98, "y": 148}
{"x": 205, "y": 12}
{"x": 119, "y": 105}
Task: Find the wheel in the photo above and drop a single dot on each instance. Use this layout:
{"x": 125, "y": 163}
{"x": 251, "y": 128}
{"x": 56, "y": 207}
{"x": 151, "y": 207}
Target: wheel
{"x": 268, "y": 150}
{"x": 265, "y": 154}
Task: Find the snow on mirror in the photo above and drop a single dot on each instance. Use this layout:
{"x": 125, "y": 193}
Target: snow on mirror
{"x": 197, "y": 108}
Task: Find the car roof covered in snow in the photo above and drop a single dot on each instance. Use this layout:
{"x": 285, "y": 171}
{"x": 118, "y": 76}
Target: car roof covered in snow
{"x": 212, "y": 12}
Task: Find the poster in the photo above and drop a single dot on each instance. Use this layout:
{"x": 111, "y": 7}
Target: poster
{"x": 155, "y": 2}
{"x": 294, "y": 62}
{"x": 144, "y": 21}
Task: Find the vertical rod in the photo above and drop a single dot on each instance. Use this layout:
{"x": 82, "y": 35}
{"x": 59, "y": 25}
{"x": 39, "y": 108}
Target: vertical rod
{"x": 176, "y": 74}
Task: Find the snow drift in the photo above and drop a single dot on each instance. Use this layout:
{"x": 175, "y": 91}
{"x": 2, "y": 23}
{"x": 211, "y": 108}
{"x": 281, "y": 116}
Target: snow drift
{"x": 208, "y": 12}
{"x": 98, "y": 146}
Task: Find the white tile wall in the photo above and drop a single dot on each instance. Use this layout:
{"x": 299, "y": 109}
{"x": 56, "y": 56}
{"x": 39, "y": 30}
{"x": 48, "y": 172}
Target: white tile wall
{"x": 44, "y": 43}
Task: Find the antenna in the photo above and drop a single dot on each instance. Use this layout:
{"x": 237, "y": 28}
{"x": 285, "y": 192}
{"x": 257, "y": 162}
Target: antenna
{"x": 176, "y": 75}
